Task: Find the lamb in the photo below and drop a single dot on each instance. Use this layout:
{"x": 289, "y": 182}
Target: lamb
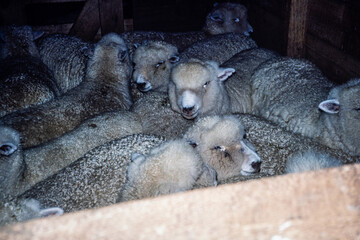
{"x": 196, "y": 89}
{"x": 25, "y": 81}
{"x": 45, "y": 160}
{"x": 310, "y": 161}
{"x": 157, "y": 117}
{"x": 224, "y": 18}
{"x": 290, "y": 92}
{"x": 66, "y": 56}
{"x": 105, "y": 89}
{"x": 172, "y": 167}
{"x": 218, "y": 48}
{"x": 25, "y": 209}
{"x": 153, "y": 61}
{"x": 227, "y": 17}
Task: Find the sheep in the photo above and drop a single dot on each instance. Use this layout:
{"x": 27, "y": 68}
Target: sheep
{"x": 153, "y": 61}
{"x": 294, "y": 94}
{"x": 158, "y": 118}
{"x": 218, "y": 48}
{"x": 45, "y": 160}
{"x": 196, "y": 89}
{"x": 224, "y": 18}
{"x": 106, "y": 88}
{"x": 221, "y": 144}
{"x": 24, "y": 80}
{"x": 276, "y": 146}
{"x": 93, "y": 180}
{"x": 227, "y": 17}
{"x": 24, "y": 210}
{"x": 310, "y": 161}
{"x": 172, "y": 167}
{"x": 66, "y": 56}
{"x": 12, "y": 164}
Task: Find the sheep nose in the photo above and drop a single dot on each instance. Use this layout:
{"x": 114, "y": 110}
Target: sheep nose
{"x": 256, "y": 166}
{"x": 188, "y": 109}
{"x": 141, "y": 85}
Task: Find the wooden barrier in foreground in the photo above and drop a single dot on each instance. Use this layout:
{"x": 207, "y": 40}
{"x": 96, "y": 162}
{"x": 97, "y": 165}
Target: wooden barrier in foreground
{"x": 313, "y": 205}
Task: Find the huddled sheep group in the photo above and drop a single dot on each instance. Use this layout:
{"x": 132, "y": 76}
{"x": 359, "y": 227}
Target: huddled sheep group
{"x": 143, "y": 114}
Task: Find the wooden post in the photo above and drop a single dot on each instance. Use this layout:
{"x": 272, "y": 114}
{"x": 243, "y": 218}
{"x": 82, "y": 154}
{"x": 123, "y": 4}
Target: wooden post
{"x": 297, "y": 28}
{"x": 111, "y": 16}
{"x": 87, "y": 24}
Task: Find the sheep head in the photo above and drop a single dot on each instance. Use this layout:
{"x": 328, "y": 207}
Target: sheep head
{"x": 196, "y": 88}
{"x": 152, "y": 65}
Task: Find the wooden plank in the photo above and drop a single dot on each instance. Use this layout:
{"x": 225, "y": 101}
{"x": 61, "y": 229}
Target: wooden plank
{"x": 335, "y": 64}
{"x": 87, "y": 24}
{"x": 297, "y": 28}
{"x": 314, "y": 205}
{"x": 111, "y": 16}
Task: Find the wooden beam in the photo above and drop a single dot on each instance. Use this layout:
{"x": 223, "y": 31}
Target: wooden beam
{"x": 314, "y": 205}
{"x": 297, "y": 28}
{"x": 111, "y": 16}
{"x": 87, "y": 24}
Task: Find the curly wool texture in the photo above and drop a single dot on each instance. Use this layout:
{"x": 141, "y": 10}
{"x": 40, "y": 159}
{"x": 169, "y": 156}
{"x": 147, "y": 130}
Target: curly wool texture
{"x": 105, "y": 89}
{"x": 95, "y": 179}
{"x": 25, "y": 81}
{"x": 66, "y": 57}
{"x": 218, "y": 48}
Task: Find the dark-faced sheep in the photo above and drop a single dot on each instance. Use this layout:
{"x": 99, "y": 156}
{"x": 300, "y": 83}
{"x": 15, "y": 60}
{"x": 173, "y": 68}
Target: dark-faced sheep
{"x": 24, "y": 80}
{"x": 227, "y": 17}
{"x": 66, "y": 56}
{"x": 106, "y": 88}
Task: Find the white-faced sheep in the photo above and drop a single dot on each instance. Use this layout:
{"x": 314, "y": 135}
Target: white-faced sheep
{"x": 23, "y": 210}
{"x": 174, "y": 166}
{"x": 106, "y": 88}
{"x": 275, "y": 146}
{"x": 290, "y": 92}
{"x": 196, "y": 89}
{"x": 153, "y": 62}
{"x": 25, "y": 80}
{"x": 310, "y": 161}
{"x": 221, "y": 144}
{"x": 227, "y": 17}
{"x": 67, "y": 57}
{"x": 44, "y": 160}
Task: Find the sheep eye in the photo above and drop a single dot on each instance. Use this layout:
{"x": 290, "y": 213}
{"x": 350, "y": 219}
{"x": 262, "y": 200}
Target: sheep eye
{"x": 207, "y": 83}
{"x": 242, "y": 150}
{"x": 226, "y": 154}
{"x": 236, "y": 20}
{"x": 216, "y": 18}
{"x": 357, "y": 109}
{"x": 159, "y": 63}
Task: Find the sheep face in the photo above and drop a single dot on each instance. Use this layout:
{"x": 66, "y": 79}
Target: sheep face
{"x": 153, "y": 62}
{"x": 228, "y": 17}
{"x": 343, "y": 107}
{"x": 12, "y": 164}
{"x": 222, "y": 146}
{"x": 196, "y": 88}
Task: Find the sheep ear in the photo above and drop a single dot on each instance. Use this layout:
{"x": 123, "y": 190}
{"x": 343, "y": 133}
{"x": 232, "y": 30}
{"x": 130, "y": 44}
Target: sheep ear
{"x": 7, "y": 148}
{"x": 122, "y": 55}
{"x": 225, "y": 73}
{"x": 331, "y": 106}
{"x": 38, "y": 34}
{"x": 137, "y": 157}
{"x": 136, "y": 45}
{"x": 87, "y": 51}
{"x": 174, "y": 59}
{"x": 55, "y": 211}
